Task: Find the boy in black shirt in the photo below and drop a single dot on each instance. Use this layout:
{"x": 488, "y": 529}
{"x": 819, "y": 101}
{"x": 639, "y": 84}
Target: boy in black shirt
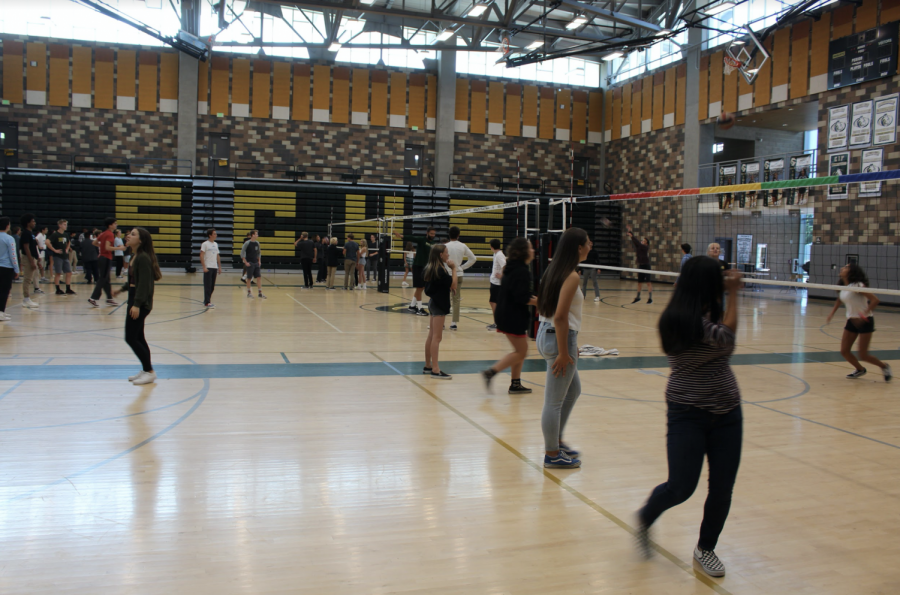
{"x": 308, "y": 253}
{"x": 29, "y": 255}
{"x": 59, "y": 249}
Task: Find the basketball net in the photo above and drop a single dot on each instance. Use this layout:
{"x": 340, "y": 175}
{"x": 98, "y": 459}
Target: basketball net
{"x": 731, "y": 64}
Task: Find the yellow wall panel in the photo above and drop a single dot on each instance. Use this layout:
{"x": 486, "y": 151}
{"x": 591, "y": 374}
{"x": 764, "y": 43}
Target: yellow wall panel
{"x": 618, "y": 95}
{"x": 126, "y": 78}
{"x": 262, "y": 79}
{"x": 36, "y": 74}
{"x": 680, "y": 92}
{"x": 340, "y": 100}
{"x": 398, "y": 94}
{"x": 321, "y": 99}
{"x": 300, "y": 95}
{"x": 462, "y": 100}
{"x": 417, "y": 83}
{"x": 513, "y": 119}
{"x": 716, "y": 73}
{"x": 843, "y": 21}
{"x": 478, "y": 107}
{"x": 104, "y": 77}
{"x": 431, "y": 102}
{"x": 867, "y": 16}
{"x": 659, "y": 86}
{"x": 240, "y": 87}
{"x": 762, "y": 86}
{"x": 379, "y": 98}
{"x": 148, "y": 75}
{"x": 637, "y": 88}
{"x": 82, "y": 58}
{"x": 530, "y": 110}
{"x": 548, "y": 100}
{"x": 203, "y": 84}
{"x": 281, "y": 90}
{"x": 730, "y": 91}
{"x": 800, "y": 59}
{"x": 595, "y": 114}
{"x": 13, "y": 65}
{"x": 579, "y": 116}
{"x": 168, "y": 76}
{"x": 218, "y": 96}
{"x": 563, "y": 114}
{"x": 669, "y": 97}
{"x": 59, "y": 75}
{"x": 360, "y": 99}
{"x": 821, "y": 33}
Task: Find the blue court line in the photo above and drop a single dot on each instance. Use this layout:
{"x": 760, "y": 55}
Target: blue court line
{"x": 11, "y": 389}
{"x": 285, "y": 358}
{"x": 200, "y": 371}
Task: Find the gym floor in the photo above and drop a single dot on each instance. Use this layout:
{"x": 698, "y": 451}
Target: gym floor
{"x": 292, "y": 445}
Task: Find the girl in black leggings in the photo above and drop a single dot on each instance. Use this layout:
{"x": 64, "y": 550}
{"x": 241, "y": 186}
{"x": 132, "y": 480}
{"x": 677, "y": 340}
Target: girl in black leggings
{"x": 703, "y": 403}
{"x": 142, "y": 275}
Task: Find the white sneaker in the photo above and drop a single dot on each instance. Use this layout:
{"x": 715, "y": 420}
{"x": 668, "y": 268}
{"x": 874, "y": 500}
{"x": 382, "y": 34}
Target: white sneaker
{"x": 135, "y": 377}
{"x": 709, "y": 562}
{"x": 4, "y": 317}
{"x": 27, "y": 303}
{"x": 404, "y": 284}
{"x": 452, "y": 326}
{"x": 145, "y": 378}
{"x": 596, "y": 299}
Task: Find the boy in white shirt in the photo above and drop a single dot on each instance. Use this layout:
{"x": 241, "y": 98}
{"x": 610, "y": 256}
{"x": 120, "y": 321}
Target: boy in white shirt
{"x": 458, "y": 251}
{"x": 41, "y": 240}
{"x": 496, "y": 275}
{"x": 212, "y": 264}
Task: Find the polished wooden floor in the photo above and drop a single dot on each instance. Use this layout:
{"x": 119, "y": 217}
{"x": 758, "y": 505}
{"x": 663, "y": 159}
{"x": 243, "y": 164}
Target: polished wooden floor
{"x": 290, "y": 447}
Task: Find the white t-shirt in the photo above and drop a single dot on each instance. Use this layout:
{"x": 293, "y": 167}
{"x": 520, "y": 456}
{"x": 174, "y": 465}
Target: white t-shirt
{"x": 497, "y": 269}
{"x": 856, "y": 304}
{"x": 210, "y": 250}
{"x": 458, "y": 251}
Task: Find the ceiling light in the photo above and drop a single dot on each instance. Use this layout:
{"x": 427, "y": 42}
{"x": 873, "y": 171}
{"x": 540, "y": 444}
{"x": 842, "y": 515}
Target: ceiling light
{"x": 534, "y": 45}
{"x": 576, "y": 23}
{"x": 369, "y": 2}
{"x": 714, "y": 10}
{"x": 662, "y": 33}
{"x": 477, "y": 10}
{"x": 334, "y": 47}
{"x": 612, "y": 56}
{"x": 446, "y": 34}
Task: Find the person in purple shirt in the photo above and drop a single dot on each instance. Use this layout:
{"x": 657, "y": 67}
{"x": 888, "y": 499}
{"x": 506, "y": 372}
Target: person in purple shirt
{"x": 642, "y": 250}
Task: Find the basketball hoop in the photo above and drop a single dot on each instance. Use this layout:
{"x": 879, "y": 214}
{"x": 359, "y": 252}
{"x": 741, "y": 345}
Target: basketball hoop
{"x": 504, "y": 46}
{"x": 731, "y": 64}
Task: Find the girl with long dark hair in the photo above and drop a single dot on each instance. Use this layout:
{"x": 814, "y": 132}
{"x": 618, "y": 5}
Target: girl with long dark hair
{"x": 559, "y": 303}
{"x": 703, "y": 403}
{"x": 512, "y": 315}
{"x": 142, "y": 276}
{"x": 860, "y": 322}
{"x": 439, "y": 284}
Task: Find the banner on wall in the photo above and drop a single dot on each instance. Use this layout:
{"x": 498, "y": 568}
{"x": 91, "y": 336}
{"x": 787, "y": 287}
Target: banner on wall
{"x": 727, "y": 176}
{"x": 749, "y": 175}
{"x": 774, "y": 171}
{"x": 799, "y": 171}
{"x": 744, "y": 248}
{"x": 872, "y": 161}
{"x": 886, "y": 120}
{"x": 838, "y": 165}
{"x": 838, "y": 127}
{"x": 861, "y": 125}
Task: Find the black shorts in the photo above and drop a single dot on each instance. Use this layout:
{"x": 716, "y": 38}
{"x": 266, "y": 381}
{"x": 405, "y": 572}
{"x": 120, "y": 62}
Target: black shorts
{"x": 436, "y": 310}
{"x": 253, "y": 271}
{"x": 644, "y": 277}
{"x": 418, "y": 276}
{"x": 495, "y": 294}
{"x": 867, "y": 327}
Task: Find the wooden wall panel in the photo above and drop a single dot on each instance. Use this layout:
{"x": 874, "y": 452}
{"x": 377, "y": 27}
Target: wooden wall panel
{"x": 168, "y": 82}
{"x": 300, "y": 95}
{"x": 513, "y": 119}
{"x": 321, "y": 93}
{"x": 219, "y": 87}
{"x": 240, "y": 87}
{"x": 461, "y": 114}
{"x": 530, "y": 111}
{"x": 616, "y": 119}
{"x": 340, "y": 95}
{"x": 843, "y": 21}
{"x": 262, "y": 84}
{"x": 730, "y": 91}
{"x": 669, "y": 98}
{"x": 359, "y": 109}
{"x": 890, "y": 11}
{"x": 704, "y": 88}
{"x": 563, "y": 114}
{"x": 680, "y": 92}
{"x": 627, "y": 109}
{"x": 579, "y": 116}
{"x": 637, "y": 88}
{"x": 126, "y": 87}
{"x": 659, "y": 85}
{"x": 398, "y": 100}
{"x": 379, "y": 97}
{"x": 13, "y": 67}
{"x": 82, "y": 61}
{"x": 59, "y": 75}
{"x": 762, "y": 86}
{"x": 548, "y": 99}
{"x": 646, "y": 104}
{"x": 745, "y": 94}
{"x": 800, "y": 59}
{"x": 148, "y": 77}
{"x": 781, "y": 63}
{"x": 818, "y": 58}
{"x": 203, "y": 87}
{"x": 431, "y": 102}
{"x": 417, "y": 82}
{"x": 478, "y": 109}
{"x": 36, "y": 73}
{"x": 281, "y": 90}
{"x": 495, "y": 108}
{"x": 716, "y": 76}
{"x": 104, "y": 78}
{"x": 596, "y": 111}
{"x": 866, "y": 16}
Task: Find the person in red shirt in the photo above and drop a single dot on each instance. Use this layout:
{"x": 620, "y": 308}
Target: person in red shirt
{"x": 105, "y": 242}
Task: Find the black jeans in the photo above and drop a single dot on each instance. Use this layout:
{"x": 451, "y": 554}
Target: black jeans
{"x": 323, "y": 271}
{"x": 306, "y": 263}
{"x": 120, "y": 262}
{"x": 693, "y": 433}
{"x": 372, "y": 267}
{"x": 104, "y": 266}
{"x": 209, "y": 284}
{"x": 90, "y": 270}
{"x": 134, "y": 336}
{"x": 6, "y": 279}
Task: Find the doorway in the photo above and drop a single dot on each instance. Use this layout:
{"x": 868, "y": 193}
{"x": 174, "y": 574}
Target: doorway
{"x": 413, "y": 164}
{"x": 220, "y": 155}
{"x": 725, "y": 245}
{"x": 9, "y": 144}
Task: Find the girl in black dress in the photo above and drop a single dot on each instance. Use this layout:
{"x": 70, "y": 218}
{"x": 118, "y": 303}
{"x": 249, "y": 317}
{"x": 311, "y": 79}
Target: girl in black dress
{"x": 439, "y": 283}
{"x": 513, "y": 315}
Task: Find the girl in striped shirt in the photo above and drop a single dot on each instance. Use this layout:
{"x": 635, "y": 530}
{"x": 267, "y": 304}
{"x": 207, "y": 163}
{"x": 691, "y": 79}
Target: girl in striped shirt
{"x": 704, "y": 403}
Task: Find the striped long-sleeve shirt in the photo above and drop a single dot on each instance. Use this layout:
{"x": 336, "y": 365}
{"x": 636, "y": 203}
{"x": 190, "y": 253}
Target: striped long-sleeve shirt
{"x": 702, "y": 376}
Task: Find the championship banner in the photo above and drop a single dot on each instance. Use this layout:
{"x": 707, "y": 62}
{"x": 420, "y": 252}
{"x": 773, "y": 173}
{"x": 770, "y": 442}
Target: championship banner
{"x": 886, "y": 120}
{"x": 838, "y": 127}
{"x": 799, "y": 171}
{"x": 749, "y": 175}
{"x": 727, "y": 175}
{"x": 838, "y": 165}
{"x": 861, "y": 125}
{"x": 872, "y": 162}
{"x": 774, "y": 171}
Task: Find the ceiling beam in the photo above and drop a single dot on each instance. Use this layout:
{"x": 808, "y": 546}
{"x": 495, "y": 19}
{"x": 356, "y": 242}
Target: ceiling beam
{"x": 617, "y": 17}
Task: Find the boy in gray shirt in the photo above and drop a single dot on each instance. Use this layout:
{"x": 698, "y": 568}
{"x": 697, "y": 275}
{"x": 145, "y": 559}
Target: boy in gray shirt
{"x": 252, "y": 257}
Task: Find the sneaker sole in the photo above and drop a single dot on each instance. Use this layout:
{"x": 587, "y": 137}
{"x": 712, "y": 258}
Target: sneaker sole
{"x": 556, "y": 466}
{"x": 712, "y": 573}
{"x": 520, "y": 392}
{"x": 436, "y": 377}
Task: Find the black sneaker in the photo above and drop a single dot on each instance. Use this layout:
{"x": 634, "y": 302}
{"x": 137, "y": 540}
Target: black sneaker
{"x": 518, "y": 389}
{"x": 60, "y": 291}
{"x": 857, "y": 374}
{"x": 642, "y": 538}
{"x": 487, "y": 376}
{"x": 650, "y": 301}
{"x": 709, "y": 562}
{"x": 636, "y": 300}
{"x": 70, "y": 292}
{"x": 38, "y": 290}
{"x": 412, "y": 309}
{"x": 111, "y": 302}
{"x": 93, "y": 303}
{"x": 491, "y": 327}
{"x": 441, "y": 375}
{"x": 568, "y": 450}
{"x": 421, "y": 312}
{"x": 426, "y": 370}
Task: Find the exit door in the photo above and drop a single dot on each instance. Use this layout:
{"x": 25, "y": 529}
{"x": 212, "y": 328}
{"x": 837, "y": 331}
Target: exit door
{"x": 725, "y": 245}
{"x": 413, "y": 164}
{"x": 580, "y": 169}
{"x": 220, "y": 155}
{"x": 9, "y": 144}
